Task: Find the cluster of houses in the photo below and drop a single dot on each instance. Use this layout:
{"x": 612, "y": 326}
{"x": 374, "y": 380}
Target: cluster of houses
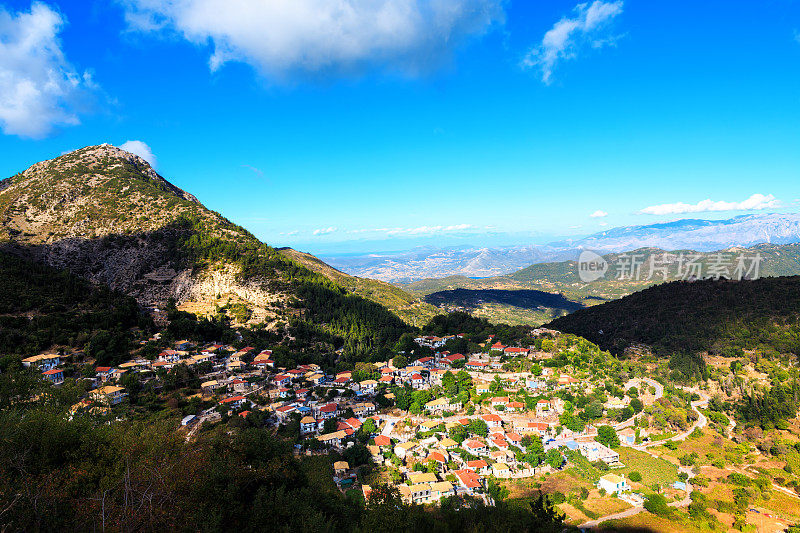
{"x": 332, "y": 408}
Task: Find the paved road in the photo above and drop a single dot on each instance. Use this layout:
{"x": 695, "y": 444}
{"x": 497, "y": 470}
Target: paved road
{"x": 591, "y": 524}
{"x": 637, "y": 382}
{"x": 699, "y": 423}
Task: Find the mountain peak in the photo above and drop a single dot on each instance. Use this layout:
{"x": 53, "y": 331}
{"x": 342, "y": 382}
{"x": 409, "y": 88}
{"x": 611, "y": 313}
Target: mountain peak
{"x": 92, "y": 191}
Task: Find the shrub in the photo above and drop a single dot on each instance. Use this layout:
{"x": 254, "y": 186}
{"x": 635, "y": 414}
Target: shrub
{"x": 657, "y": 504}
{"x": 635, "y": 476}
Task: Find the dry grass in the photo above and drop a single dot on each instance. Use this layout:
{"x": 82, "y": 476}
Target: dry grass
{"x": 605, "y": 505}
{"x": 562, "y": 482}
{"x": 649, "y": 522}
{"x": 574, "y": 516}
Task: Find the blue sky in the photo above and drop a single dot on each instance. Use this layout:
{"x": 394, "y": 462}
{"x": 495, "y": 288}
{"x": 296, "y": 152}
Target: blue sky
{"x": 351, "y": 126}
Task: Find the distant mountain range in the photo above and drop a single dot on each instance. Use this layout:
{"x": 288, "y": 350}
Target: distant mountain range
{"x": 691, "y": 234}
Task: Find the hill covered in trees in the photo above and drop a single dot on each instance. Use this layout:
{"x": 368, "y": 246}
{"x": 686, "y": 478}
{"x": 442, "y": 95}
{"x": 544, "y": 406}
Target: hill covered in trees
{"x": 106, "y": 216}
{"x": 716, "y": 316}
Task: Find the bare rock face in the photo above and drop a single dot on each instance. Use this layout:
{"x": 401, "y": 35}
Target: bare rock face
{"x": 106, "y": 215}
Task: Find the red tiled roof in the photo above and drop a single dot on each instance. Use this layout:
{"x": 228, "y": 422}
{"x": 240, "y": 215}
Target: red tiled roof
{"x": 232, "y": 399}
{"x": 382, "y": 440}
{"x": 438, "y": 457}
{"x": 103, "y": 368}
{"x": 52, "y": 371}
{"x": 480, "y": 463}
{"x": 469, "y": 478}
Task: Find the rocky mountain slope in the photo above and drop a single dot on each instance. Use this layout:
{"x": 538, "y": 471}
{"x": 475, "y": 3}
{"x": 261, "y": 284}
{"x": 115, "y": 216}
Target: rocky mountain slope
{"x": 107, "y": 216}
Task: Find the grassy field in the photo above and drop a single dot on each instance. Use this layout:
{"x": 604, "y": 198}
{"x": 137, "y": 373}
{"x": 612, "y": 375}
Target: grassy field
{"x": 604, "y": 506}
{"x": 645, "y": 521}
{"x": 652, "y": 469}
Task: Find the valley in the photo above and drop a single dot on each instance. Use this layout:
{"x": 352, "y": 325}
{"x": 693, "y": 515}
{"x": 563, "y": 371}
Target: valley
{"x": 665, "y": 404}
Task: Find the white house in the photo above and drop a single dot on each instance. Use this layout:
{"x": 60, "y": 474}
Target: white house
{"x": 612, "y": 483}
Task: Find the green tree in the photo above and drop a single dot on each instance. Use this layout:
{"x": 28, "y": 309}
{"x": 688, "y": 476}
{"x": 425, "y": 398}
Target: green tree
{"x": 607, "y": 436}
{"x": 449, "y": 383}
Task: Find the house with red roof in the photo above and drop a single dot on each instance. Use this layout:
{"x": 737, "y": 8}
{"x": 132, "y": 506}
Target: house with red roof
{"x": 440, "y": 459}
{"x": 282, "y": 380}
{"x": 469, "y": 479}
{"x": 514, "y": 438}
{"x": 475, "y": 447}
{"x": 383, "y": 440}
{"x": 327, "y": 411}
{"x": 54, "y": 375}
{"x": 104, "y": 373}
{"x": 498, "y": 401}
{"x": 515, "y": 407}
{"x": 492, "y": 420}
{"x": 478, "y": 466}
{"x": 476, "y": 365}
{"x": 499, "y": 442}
{"x": 417, "y": 381}
{"x": 234, "y": 402}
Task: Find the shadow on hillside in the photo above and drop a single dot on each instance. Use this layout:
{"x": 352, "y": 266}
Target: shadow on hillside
{"x": 524, "y": 299}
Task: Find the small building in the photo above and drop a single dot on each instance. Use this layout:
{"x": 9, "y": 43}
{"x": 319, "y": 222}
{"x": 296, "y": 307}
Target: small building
{"x": 54, "y": 375}
{"x": 308, "y": 425}
{"x": 613, "y": 484}
{"x": 340, "y": 469}
{"x": 108, "y": 394}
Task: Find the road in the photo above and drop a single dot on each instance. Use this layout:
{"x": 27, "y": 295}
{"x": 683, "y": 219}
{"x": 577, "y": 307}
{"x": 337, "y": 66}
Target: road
{"x": 699, "y": 423}
{"x": 637, "y": 382}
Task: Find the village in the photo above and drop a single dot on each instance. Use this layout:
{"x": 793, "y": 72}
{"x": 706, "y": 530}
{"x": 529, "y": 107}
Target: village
{"x": 435, "y": 426}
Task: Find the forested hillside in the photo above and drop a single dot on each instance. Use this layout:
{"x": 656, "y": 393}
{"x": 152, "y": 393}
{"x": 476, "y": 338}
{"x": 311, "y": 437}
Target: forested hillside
{"x": 722, "y": 317}
{"x": 107, "y": 216}
{"x": 41, "y": 308}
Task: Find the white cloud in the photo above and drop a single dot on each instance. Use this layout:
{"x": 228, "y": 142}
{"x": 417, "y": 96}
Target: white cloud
{"x": 324, "y": 231}
{"x": 141, "y": 149}
{"x": 285, "y": 37}
{"x": 755, "y": 202}
{"x": 419, "y": 230}
{"x": 255, "y": 170}
{"x": 599, "y": 214}
{"x": 568, "y": 35}
{"x": 39, "y": 89}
